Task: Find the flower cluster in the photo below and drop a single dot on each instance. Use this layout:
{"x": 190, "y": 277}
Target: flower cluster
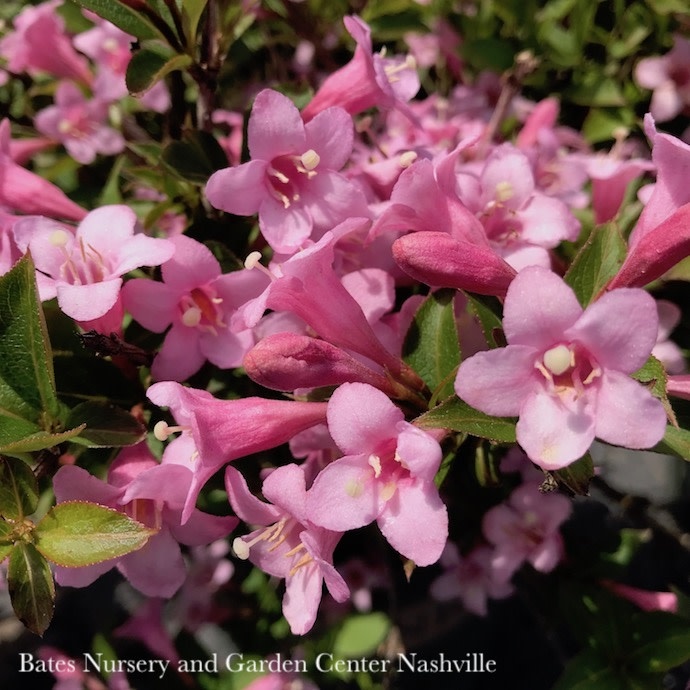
{"x": 407, "y": 285}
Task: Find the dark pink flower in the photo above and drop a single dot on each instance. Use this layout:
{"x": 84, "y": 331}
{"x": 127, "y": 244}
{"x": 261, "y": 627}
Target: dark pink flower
{"x": 369, "y": 79}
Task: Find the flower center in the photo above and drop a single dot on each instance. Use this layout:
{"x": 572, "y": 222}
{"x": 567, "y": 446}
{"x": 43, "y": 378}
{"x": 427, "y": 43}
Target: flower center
{"x": 84, "y": 264}
{"x": 201, "y": 309}
{"x": 286, "y": 175}
{"x": 568, "y": 369}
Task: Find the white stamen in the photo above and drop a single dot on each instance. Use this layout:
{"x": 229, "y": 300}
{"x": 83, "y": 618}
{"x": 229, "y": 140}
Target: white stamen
{"x": 162, "y": 430}
{"x": 253, "y": 260}
{"x": 559, "y": 359}
{"x": 240, "y": 548}
{"x": 375, "y": 462}
{"x": 191, "y": 317}
{"x": 59, "y": 238}
{"x": 504, "y": 191}
{"x": 310, "y": 159}
{"x": 406, "y": 159}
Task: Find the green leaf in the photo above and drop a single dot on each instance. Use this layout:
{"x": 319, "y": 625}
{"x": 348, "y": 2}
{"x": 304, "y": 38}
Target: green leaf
{"x": 191, "y": 14}
{"x": 27, "y": 383}
{"x": 577, "y": 475}
{"x": 77, "y": 533}
{"x": 653, "y": 376}
{"x": 6, "y": 539}
{"x": 596, "y": 263}
{"x": 590, "y": 671}
{"x": 151, "y": 64}
{"x": 124, "y": 17}
{"x": 105, "y": 425}
{"x": 196, "y": 158}
{"x": 661, "y": 641}
{"x": 490, "y": 314}
{"x": 675, "y": 442}
{"x": 18, "y": 489}
{"x": 457, "y": 415}
{"x": 431, "y": 345}
{"x": 19, "y": 436}
{"x": 31, "y": 587}
{"x": 601, "y": 123}
{"x": 360, "y": 635}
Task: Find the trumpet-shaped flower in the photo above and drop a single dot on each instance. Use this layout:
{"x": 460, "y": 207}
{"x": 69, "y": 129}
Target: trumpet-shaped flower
{"x": 79, "y": 123}
{"x": 215, "y": 432}
{"x": 288, "y": 545}
{"x": 24, "y": 191}
{"x": 387, "y": 475}
{"x": 291, "y": 180}
{"x": 198, "y": 301}
{"x": 566, "y": 372}
{"x": 39, "y": 43}
{"x": 84, "y": 268}
{"x": 369, "y": 79}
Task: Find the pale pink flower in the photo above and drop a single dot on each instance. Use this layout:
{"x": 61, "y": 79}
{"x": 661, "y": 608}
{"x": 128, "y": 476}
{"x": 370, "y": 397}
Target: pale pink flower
{"x": 387, "y": 475}
{"x": 645, "y": 599}
{"x": 153, "y": 494}
{"x": 470, "y": 578}
{"x": 198, "y": 301}
{"x": 525, "y": 528}
{"x": 291, "y": 180}
{"x": 665, "y": 350}
{"x": 79, "y": 123}
{"x": 566, "y": 372}
{"x": 289, "y": 545}
{"x": 39, "y": 44}
{"x": 668, "y": 77}
{"x": 84, "y": 268}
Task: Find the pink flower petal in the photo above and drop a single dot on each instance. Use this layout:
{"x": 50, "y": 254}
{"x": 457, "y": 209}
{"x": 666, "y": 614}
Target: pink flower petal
{"x": 360, "y": 418}
{"x": 539, "y": 307}
{"x": 152, "y": 304}
{"x": 627, "y": 413}
{"x": 157, "y": 569}
{"x": 245, "y": 504}
{"x": 331, "y": 135}
{"x": 238, "y": 190}
{"x": 498, "y": 381}
{"x": 552, "y": 434}
{"x": 192, "y": 265}
{"x": 348, "y": 484}
{"x": 180, "y": 355}
{"x": 415, "y": 522}
{"x": 90, "y": 301}
{"x": 275, "y": 127}
{"x": 623, "y": 344}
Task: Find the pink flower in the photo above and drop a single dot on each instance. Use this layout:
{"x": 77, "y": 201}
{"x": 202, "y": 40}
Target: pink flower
{"x": 39, "y": 43}
{"x": 645, "y": 599}
{"x": 368, "y": 80}
{"x": 470, "y": 578}
{"x": 291, "y": 179}
{"x": 154, "y": 495}
{"x": 79, "y": 124}
{"x": 387, "y": 475}
{"x": 26, "y": 192}
{"x": 84, "y": 268}
{"x": 215, "y": 432}
{"x": 669, "y": 78}
{"x": 526, "y": 528}
{"x": 288, "y": 545}
{"x": 665, "y": 350}
{"x": 198, "y": 301}
{"x": 522, "y": 224}
{"x": 565, "y": 371}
